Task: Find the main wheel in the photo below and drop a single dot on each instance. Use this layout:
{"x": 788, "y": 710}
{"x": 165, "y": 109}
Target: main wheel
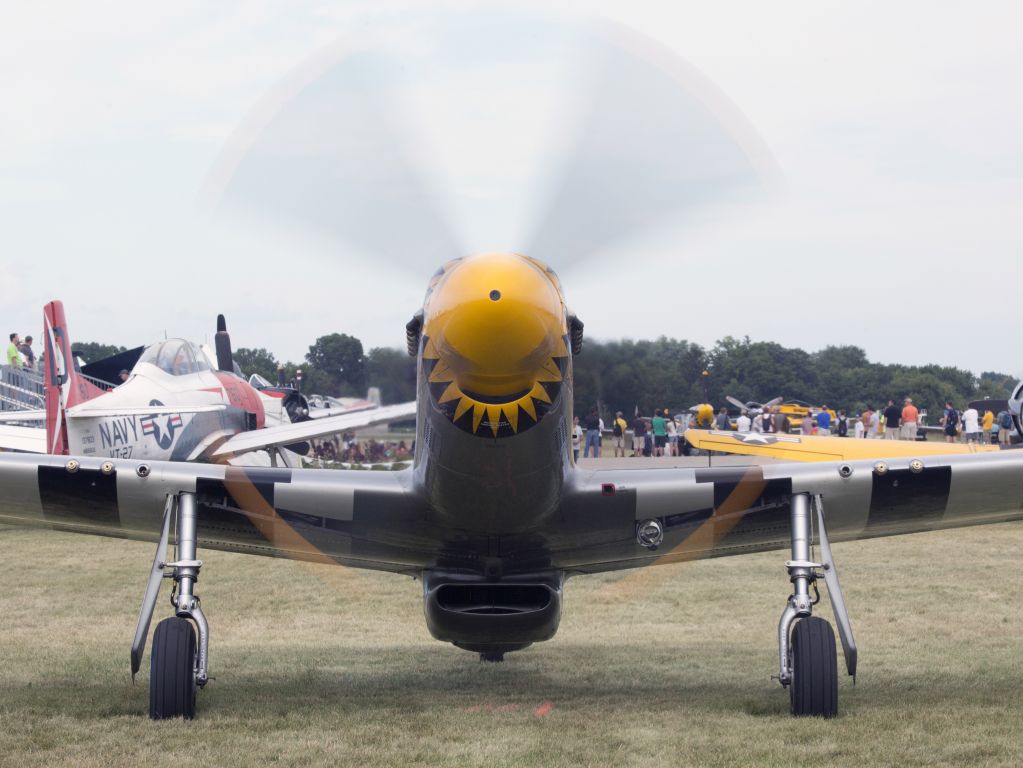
{"x": 492, "y": 656}
{"x": 813, "y": 691}
{"x": 172, "y": 670}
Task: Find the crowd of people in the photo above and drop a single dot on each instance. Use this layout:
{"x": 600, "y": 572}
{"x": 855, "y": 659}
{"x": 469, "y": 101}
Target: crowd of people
{"x": 662, "y": 434}
{"x": 349, "y": 450}
{"x": 20, "y": 353}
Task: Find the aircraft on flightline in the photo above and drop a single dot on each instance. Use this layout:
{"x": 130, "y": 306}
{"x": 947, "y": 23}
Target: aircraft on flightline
{"x": 178, "y": 403}
{"x": 493, "y": 516}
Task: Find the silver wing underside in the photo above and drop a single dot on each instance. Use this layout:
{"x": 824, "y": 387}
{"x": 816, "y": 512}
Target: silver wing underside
{"x": 377, "y": 519}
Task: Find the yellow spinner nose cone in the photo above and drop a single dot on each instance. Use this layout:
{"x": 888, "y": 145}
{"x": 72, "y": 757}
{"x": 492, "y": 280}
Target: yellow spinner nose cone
{"x": 496, "y": 321}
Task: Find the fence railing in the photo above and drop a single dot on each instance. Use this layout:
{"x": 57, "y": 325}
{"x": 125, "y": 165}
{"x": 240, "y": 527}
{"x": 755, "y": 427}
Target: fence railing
{"x": 20, "y": 389}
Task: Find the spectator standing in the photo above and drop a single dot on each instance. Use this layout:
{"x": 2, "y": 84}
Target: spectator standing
{"x": 758, "y": 423}
{"x": 618, "y": 427}
{"x": 860, "y": 429}
{"x": 874, "y": 428}
{"x": 743, "y": 423}
{"x": 971, "y": 425}
{"x": 660, "y": 433}
{"x": 950, "y": 422}
{"x": 672, "y": 429}
{"x": 843, "y": 424}
{"x": 721, "y": 421}
{"x": 865, "y": 420}
{"x": 638, "y": 435}
{"x": 768, "y": 420}
{"x": 1004, "y": 428}
{"x": 26, "y": 351}
{"x": 592, "y": 425}
{"x": 13, "y": 354}
{"x": 892, "y": 421}
{"x": 824, "y": 421}
{"x": 987, "y": 424}
{"x": 781, "y": 422}
{"x": 577, "y": 437}
{"x": 910, "y": 416}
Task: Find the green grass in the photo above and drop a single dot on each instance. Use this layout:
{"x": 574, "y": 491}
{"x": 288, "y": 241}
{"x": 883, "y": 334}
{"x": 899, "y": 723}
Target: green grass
{"x": 315, "y": 665}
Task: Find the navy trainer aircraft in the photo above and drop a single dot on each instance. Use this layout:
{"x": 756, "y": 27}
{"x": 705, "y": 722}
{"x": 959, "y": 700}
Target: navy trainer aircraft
{"x": 179, "y": 402}
{"x": 493, "y": 516}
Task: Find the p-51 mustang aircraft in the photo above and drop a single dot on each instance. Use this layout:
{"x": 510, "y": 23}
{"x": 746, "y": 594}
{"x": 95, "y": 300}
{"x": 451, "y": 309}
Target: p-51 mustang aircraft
{"x": 493, "y": 515}
{"x": 177, "y": 404}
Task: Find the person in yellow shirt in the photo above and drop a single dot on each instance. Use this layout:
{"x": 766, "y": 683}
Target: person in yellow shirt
{"x": 988, "y": 423}
{"x": 618, "y": 427}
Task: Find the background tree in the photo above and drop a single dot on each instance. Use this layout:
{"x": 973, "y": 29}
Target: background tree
{"x": 337, "y": 366}
{"x": 91, "y": 351}
{"x": 257, "y": 361}
{"x": 394, "y": 372}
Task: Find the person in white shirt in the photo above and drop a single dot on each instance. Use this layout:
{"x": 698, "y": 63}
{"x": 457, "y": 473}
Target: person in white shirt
{"x": 743, "y": 423}
{"x": 672, "y": 430}
{"x": 875, "y": 424}
{"x": 577, "y": 437}
{"x": 971, "y": 425}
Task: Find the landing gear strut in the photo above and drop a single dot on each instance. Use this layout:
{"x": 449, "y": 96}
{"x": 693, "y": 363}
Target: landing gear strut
{"x": 806, "y": 652}
{"x": 179, "y": 664}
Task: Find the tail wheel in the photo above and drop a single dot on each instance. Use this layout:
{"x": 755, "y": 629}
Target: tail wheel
{"x": 172, "y": 670}
{"x": 814, "y": 688}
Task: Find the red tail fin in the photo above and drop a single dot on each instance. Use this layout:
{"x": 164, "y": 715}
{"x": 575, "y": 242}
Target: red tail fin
{"x": 65, "y": 387}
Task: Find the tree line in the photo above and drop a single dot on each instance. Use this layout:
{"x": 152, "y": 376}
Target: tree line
{"x": 664, "y": 373}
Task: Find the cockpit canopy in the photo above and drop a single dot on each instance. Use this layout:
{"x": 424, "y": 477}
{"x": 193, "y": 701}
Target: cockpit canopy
{"x": 176, "y": 357}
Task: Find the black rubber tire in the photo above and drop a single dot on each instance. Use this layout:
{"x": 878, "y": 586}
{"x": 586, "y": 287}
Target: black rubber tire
{"x": 172, "y": 670}
{"x": 492, "y": 656}
{"x": 813, "y": 691}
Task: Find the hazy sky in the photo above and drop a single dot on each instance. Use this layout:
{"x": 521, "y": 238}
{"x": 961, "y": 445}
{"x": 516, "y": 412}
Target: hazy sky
{"x": 807, "y": 173}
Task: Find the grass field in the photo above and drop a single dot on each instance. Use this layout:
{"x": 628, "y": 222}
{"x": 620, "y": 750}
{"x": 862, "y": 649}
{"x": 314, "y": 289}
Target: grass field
{"x": 315, "y": 665}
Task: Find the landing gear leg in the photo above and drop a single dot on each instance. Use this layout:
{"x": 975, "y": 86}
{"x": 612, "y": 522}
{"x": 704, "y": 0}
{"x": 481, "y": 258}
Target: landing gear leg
{"x": 179, "y": 662}
{"x": 807, "y": 663}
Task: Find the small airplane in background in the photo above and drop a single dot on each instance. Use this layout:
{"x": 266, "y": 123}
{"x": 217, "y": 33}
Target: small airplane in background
{"x": 178, "y": 403}
{"x": 752, "y": 407}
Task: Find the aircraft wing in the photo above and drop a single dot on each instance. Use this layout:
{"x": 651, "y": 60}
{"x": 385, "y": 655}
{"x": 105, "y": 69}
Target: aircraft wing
{"x": 716, "y": 511}
{"x": 350, "y": 517}
{"x": 24, "y": 439}
{"x": 287, "y": 434}
{"x": 815, "y": 448}
{"x": 340, "y": 410}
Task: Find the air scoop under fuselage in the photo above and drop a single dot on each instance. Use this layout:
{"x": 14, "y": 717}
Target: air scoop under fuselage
{"x": 495, "y": 369}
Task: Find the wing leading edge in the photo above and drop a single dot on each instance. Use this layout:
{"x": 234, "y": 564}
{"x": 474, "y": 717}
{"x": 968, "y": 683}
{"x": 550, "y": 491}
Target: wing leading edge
{"x": 287, "y": 434}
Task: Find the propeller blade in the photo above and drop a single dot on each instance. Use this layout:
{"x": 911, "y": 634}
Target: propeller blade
{"x": 655, "y": 139}
{"x": 737, "y": 403}
{"x": 319, "y": 156}
{"x": 773, "y": 402}
{"x": 222, "y": 342}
